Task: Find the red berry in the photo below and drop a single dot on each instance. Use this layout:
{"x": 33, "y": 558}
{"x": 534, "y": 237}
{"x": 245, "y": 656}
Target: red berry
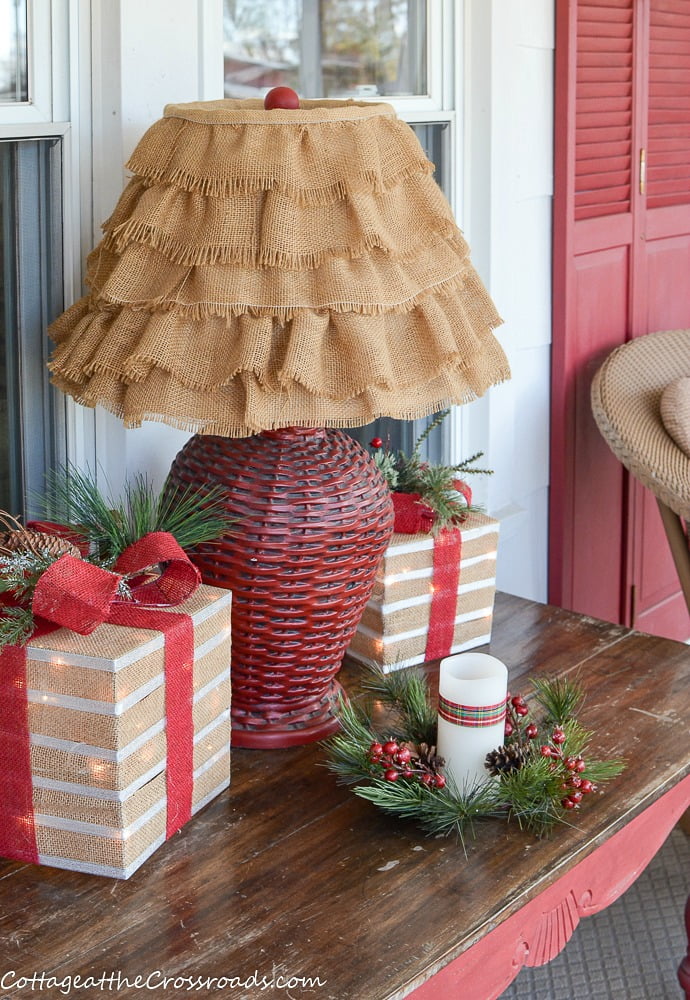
{"x": 440, "y": 781}
{"x": 570, "y": 763}
{"x": 531, "y": 731}
{"x": 407, "y": 772}
{"x": 546, "y": 751}
{"x": 391, "y": 774}
{"x": 586, "y": 786}
{"x": 508, "y": 729}
{"x": 575, "y": 782}
{"x": 376, "y": 442}
{"x": 403, "y": 755}
{"x": 575, "y": 796}
{"x": 521, "y": 710}
{"x": 580, "y": 765}
{"x": 375, "y": 750}
{"x": 281, "y": 97}
{"x": 426, "y": 778}
{"x": 517, "y": 700}
{"x": 558, "y": 736}
{"x": 390, "y": 747}
{"x": 567, "y": 803}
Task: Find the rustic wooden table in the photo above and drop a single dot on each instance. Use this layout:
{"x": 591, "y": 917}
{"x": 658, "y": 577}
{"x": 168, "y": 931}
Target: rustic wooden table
{"x": 288, "y": 877}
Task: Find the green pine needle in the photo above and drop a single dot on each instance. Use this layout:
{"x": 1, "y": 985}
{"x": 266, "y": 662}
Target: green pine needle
{"x": 439, "y": 812}
{"x": 407, "y": 691}
{"x": 435, "y": 484}
{"x": 16, "y": 626}
{"x": 193, "y": 517}
{"x": 560, "y": 697}
{"x": 531, "y": 795}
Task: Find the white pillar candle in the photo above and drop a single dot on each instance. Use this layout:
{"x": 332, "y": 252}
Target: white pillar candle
{"x": 471, "y": 720}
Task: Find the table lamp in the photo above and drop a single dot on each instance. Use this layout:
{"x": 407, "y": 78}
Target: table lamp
{"x": 269, "y": 276}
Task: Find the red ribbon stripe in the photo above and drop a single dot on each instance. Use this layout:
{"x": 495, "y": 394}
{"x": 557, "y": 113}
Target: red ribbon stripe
{"x": 79, "y": 596}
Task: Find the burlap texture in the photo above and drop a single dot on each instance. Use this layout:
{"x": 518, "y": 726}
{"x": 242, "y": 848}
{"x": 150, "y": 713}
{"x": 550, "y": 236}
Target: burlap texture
{"x": 390, "y": 623}
{"x": 479, "y": 537}
{"x": 406, "y": 573}
{"x": 117, "y": 851}
{"x": 111, "y": 851}
{"x": 82, "y": 761}
{"x": 371, "y": 649}
{"x": 267, "y": 269}
{"x": 85, "y": 808}
{"x": 478, "y": 560}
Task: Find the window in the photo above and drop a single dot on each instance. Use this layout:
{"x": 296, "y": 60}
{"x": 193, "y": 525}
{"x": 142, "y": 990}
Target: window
{"x": 14, "y": 62}
{"x": 33, "y": 216}
{"x": 360, "y": 49}
{"x": 335, "y": 49}
{"x": 30, "y": 297}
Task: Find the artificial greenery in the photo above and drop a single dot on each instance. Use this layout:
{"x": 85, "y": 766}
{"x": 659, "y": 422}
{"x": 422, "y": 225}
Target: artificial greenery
{"x": 435, "y": 483}
{"x": 103, "y": 529}
{"x": 538, "y": 780}
{"x": 111, "y": 525}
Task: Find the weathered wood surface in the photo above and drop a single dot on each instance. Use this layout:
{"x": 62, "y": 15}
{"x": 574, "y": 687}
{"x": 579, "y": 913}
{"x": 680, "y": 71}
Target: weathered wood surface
{"x": 289, "y": 874}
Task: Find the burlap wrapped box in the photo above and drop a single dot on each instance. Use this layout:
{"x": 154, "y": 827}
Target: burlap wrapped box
{"x": 98, "y": 733}
{"x": 394, "y": 629}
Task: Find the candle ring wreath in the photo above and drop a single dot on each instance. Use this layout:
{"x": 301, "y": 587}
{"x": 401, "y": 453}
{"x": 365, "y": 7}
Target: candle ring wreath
{"x": 538, "y": 777}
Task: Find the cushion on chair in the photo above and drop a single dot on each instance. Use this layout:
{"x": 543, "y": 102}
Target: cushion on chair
{"x": 675, "y": 411}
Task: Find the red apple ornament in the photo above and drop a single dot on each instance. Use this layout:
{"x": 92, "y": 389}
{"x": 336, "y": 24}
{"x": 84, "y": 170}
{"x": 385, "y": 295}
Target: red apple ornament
{"x": 281, "y": 97}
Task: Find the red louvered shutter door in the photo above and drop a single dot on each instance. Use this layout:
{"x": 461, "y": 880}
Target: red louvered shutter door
{"x": 604, "y": 106}
{"x": 621, "y": 269}
{"x": 661, "y": 287}
{"x": 668, "y": 138}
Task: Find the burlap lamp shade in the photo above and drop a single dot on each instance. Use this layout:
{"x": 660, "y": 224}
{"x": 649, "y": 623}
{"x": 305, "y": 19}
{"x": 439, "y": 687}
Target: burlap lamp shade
{"x": 281, "y": 269}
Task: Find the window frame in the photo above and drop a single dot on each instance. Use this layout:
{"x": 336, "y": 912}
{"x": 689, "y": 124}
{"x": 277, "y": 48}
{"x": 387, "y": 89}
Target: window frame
{"x": 59, "y": 106}
{"x": 45, "y": 33}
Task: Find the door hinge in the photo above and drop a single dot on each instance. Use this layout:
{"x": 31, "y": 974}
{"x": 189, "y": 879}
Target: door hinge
{"x": 643, "y": 170}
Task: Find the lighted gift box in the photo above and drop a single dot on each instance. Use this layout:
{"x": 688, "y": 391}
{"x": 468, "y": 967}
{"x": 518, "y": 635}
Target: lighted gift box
{"x": 98, "y": 727}
{"x": 395, "y": 628}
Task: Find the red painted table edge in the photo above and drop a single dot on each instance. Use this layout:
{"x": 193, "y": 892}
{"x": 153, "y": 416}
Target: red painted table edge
{"x": 540, "y": 929}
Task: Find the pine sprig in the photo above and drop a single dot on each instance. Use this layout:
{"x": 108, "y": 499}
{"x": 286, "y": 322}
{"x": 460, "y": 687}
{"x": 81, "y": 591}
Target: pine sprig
{"x": 16, "y": 626}
{"x": 395, "y": 767}
{"x": 349, "y": 748}
{"x": 559, "y": 697}
{"x": 108, "y": 528}
{"x": 435, "y": 483}
{"x": 533, "y": 796}
{"x": 112, "y": 525}
{"x": 439, "y": 812}
{"x": 20, "y": 571}
{"x": 408, "y": 693}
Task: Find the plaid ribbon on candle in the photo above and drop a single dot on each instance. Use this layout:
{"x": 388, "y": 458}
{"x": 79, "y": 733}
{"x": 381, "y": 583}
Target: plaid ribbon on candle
{"x": 472, "y": 715}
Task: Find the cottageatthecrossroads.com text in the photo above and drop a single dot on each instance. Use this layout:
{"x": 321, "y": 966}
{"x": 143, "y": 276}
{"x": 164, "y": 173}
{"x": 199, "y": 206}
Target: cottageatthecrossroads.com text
{"x": 113, "y": 982}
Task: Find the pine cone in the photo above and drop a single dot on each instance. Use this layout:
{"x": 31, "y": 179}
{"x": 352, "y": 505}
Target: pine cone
{"x": 24, "y": 540}
{"x": 429, "y": 758}
{"x": 505, "y": 760}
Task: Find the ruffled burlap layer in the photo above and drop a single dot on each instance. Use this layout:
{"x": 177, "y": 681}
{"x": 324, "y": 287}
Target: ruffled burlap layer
{"x": 275, "y": 268}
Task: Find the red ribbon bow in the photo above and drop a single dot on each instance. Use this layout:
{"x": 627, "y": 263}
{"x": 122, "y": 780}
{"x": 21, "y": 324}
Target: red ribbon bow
{"x": 80, "y": 596}
{"x": 413, "y": 516}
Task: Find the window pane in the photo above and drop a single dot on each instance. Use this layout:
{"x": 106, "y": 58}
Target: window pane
{"x": 30, "y": 297}
{"x": 13, "y": 54}
{"x": 326, "y": 48}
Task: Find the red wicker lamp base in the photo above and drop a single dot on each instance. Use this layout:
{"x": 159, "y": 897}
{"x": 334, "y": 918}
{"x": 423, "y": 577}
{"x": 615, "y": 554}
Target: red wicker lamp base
{"x": 315, "y": 517}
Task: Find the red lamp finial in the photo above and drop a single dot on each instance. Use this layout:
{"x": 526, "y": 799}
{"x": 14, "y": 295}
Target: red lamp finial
{"x": 281, "y": 97}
